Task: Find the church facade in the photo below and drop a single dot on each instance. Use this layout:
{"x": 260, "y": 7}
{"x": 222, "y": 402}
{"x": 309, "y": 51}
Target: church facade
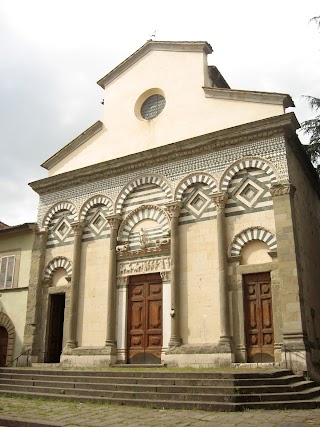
{"x": 183, "y": 228}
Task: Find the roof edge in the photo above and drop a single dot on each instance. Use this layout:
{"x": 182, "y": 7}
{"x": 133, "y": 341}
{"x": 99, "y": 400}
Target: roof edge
{"x": 181, "y": 149}
{"x": 183, "y": 46}
{"x": 28, "y": 226}
{"x": 71, "y": 146}
{"x": 249, "y": 96}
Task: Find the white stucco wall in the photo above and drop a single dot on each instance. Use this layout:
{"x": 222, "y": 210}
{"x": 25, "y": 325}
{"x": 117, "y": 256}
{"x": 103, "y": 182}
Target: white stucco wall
{"x": 180, "y": 76}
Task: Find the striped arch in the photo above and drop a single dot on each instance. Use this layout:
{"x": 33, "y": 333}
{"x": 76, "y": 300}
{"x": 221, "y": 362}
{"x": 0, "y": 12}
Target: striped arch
{"x": 62, "y": 206}
{"x": 53, "y": 265}
{"x": 146, "y": 179}
{"x": 7, "y": 323}
{"x": 252, "y": 233}
{"x": 257, "y": 163}
{"x": 193, "y": 178}
{"x": 94, "y": 201}
{"x": 144, "y": 212}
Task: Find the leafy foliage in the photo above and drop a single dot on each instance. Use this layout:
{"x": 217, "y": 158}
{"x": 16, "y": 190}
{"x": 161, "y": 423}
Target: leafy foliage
{"x": 312, "y": 127}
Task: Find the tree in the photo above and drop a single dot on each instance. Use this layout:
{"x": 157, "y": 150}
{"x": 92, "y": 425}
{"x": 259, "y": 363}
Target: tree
{"x": 312, "y": 127}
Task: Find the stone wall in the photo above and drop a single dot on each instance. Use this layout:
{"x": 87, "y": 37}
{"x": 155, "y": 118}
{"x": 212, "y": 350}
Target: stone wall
{"x": 306, "y": 215}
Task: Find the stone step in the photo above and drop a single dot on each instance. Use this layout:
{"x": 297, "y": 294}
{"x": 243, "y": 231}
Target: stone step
{"x": 227, "y": 391}
{"x": 156, "y": 387}
{"x": 138, "y": 394}
{"x": 149, "y": 374}
{"x": 192, "y": 382}
{"x": 192, "y": 404}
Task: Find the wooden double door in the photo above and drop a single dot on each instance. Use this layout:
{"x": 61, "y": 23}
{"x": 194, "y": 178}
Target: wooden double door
{"x": 258, "y": 317}
{"x": 145, "y": 319}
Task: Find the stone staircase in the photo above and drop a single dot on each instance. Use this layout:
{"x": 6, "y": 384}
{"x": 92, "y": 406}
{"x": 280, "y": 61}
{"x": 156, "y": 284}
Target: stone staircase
{"x": 160, "y": 388}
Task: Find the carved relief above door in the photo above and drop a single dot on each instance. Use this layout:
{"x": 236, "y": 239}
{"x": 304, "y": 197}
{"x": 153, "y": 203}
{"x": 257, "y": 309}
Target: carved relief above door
{"x": 145, "y": 319}
{"x": 258, "y": 317}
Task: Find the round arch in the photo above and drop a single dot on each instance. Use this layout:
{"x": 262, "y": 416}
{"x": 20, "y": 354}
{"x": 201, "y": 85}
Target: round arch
{"x": 54, "y": 264}
{"x": 137, "y": 182}
{"x": 195, "y": 177}
{"x": 249, "y": 234}
{"x": 7, "y": 323}
{"x": 153, "y": 212}
{"x": 251, "y": 162}
{"x": 99, "y": 199}
{"x": 61, "y": 206}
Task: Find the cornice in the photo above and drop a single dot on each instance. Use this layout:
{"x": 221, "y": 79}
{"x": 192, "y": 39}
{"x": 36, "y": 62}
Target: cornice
{"x": 75, "y": 143}
{"x": 184, "y": 46}
{"x": 249, "y": 96}
{"x": 284, "y": 124}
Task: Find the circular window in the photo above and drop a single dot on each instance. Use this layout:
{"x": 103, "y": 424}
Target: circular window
{"x": 152, "y": 106}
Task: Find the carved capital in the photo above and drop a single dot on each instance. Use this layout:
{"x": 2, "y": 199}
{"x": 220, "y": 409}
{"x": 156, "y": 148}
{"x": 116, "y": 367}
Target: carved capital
{"x": 282, "y": 189}
{"x": 173, "y": 209}
{"x": 122, "y": 282}
{"x": 165, "y": 276}
{"x": 78, "y": 228}
{"x": 219, "y": 200}
{"x": 114, "y": 221}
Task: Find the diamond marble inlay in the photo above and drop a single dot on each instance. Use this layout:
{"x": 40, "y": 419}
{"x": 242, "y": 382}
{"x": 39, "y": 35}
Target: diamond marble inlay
{"x": 62, "y": 229}
{"x": 249, "y": 192}
{"x": 197, "y": 203}
{"x": 98, "y": 222}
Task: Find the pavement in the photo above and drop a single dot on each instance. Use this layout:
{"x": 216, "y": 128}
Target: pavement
{"x": 23, "y": 412}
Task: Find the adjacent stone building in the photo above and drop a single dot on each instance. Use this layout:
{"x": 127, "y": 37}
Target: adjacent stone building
{"x": 183, "y": 228}
{"x": 16, "y": 245}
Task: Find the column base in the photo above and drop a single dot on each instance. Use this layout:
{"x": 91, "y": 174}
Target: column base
{"x": 199, "y": 356}
{"x": 174, "y": 342}
{"x": 111, "y": 347}
{"x": 72, "y": 344}
{"x": 89, "y": 356}
{"x": 225, "y": 344}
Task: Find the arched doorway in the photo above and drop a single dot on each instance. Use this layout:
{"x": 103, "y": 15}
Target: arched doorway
{"x": 3, "y": 345}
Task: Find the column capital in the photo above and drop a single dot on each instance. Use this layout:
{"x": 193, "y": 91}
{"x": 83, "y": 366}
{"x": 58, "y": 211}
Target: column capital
{"x": 78, "y": 228}
{"x": 165, "y": 275}
{"x": 173, "y": 209}
{"x": 282, "y": 189}
{"x": 43, "y": 231}
{"x": 219, "y": 199}
{"x": 114, "y": 221}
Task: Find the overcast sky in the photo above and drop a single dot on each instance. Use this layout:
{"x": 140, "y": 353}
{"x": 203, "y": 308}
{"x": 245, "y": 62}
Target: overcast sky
{"x": 53, "y": 52}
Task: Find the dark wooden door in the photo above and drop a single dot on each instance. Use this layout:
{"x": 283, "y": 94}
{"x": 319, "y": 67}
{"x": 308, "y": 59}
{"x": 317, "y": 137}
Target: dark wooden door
{"x": 145, "y": 319}
{"x": 258, "y": 317}
{"x": 3, "y": 345}
{"x": 55, "y": 331}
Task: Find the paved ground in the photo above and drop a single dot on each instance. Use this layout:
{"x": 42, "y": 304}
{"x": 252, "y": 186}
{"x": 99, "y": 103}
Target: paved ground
{"x": 35, "y": 413}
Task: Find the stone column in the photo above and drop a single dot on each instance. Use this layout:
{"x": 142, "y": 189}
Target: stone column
{"x": 291, "y": 304}
{"x": 173, "y": 210}
{"x": 33, "y": 317}
{"x": 219, "y": 200}
{"x": 114, "y": 222}
{"x": 78, "y": 228}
